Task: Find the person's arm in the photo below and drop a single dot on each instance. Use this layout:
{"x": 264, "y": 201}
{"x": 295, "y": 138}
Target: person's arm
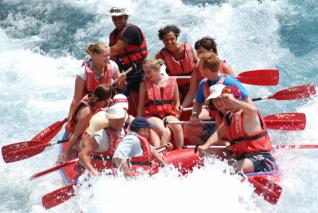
{"x": 122, "y": 165}
{"x": 117, "y": 48}
{"x": 176, "y": 99}
{"x": 214, "y": 138}
{"x": 142, "y": 96}
{"x": 158, "y": 157}
{"x": 188, "y": 100}
{"x": 78, "y": 94}
{"x": 89, "y": 146}
{"x": 82, "y": 123}
{"x": 228, "y": 69}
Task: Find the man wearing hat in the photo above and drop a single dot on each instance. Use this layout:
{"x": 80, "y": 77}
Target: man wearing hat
{"x": 104, "y": 142}
{"x": 243, "y": 131}
{"x": 128, "y": 48}
{"x": 100, "y": 121}
{"x": 136, "y": 144}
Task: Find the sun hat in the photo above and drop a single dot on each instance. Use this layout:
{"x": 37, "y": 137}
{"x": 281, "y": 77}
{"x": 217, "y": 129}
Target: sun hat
{"x": 215, "y": 91}
{"x": 218, "y": 89}
{"x": 115, "y": 112}
{"x": 120, "y": 100}
{"x": 118, "y": 11}
{"x": 140, "y": 122}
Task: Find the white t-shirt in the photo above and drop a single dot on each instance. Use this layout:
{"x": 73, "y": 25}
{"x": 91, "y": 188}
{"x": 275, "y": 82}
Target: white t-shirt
{"x": 82, "y": 73}
{"x": 102, "y": 139}
{"x": 128, "y": 147}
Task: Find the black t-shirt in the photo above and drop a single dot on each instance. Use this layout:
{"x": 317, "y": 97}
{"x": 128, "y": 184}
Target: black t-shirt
{"x": 132, "y": 35}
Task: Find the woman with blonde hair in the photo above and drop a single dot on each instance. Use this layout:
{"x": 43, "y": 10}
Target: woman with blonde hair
{"x": 158, "y": 100}
{"x": 97, "y": 70}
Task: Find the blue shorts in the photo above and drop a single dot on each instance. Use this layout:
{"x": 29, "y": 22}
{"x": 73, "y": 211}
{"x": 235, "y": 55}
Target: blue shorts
{"x": 262, "y": 162}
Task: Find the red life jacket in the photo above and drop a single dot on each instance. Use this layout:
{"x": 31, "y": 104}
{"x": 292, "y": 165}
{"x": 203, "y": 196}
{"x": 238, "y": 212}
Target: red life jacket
{"x": 180, "y": 67}
{"x": 206, "y": 91}
{"x": 103, "y": 160}
{"x": 144, "y": 160}
{"x": 241, "y": 143}
{"x": 70, "y": 126}
{"x": 131, "y": 53}
{"x": 159, "y": 100}
{"x": 91, "y": 81}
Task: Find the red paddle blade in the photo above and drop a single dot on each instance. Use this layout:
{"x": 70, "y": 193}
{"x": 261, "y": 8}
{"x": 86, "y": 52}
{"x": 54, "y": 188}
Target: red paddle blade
{"x": 268, "y": 189}
{"x": 259, "y": 77}
{"x": 58, "y": 196}
{"x": 286, "y": 121}
{"x": 55, "y": 168}
{"x": 22, "y": 150}
{"x": 294, "y": 93}
{"x": 48, "y": 133}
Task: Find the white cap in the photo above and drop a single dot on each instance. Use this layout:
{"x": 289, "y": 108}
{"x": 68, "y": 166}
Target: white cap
{"x": 120, "y": 100}
{"x": 118, "y": 11}
{"x": 115, "y": 112}
{"x": 215, "y": 91}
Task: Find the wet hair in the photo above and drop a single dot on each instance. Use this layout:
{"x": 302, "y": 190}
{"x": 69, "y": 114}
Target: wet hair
{"x": 210, "y": 60}
{"x": 153, "y": 62}
{"x": 101, "y": 93}
{"x": 207, "y": 43}
{"x": 169, "y": 28}
{"x": 97, "y": 48}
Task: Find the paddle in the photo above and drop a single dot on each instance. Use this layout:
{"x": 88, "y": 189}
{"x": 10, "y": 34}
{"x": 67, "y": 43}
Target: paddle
{"x": 126, "y": 73}
{"x": 55, "y": 168}
{"x": 293, "y": 93}
{"x": 253, "y": 77}
{"x": 26, "y": 149}
{"x": 48, "y": 133}
{"x": 58, "y": 196}
{"x": 269, "y": 190}
{"x": 297, "y": 146}
{"x": 283, "y": 121}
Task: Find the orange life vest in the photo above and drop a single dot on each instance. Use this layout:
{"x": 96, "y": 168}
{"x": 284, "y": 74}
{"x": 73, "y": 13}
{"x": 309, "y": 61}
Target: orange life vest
{"x": 159, "y": 100}
{"x": 91, "y": 81}
{"x": 241, "y": 143}
{"x": 131, "y": 53}
{"x": 180, "y": 67}
{"x": 70, "y": 126}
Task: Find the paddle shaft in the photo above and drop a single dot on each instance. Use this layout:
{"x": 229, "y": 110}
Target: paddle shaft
{"x": 125, "y": 73}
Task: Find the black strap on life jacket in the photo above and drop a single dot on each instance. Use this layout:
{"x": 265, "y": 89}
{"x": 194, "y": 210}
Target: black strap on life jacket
{"x": 255, "y": 137}
{"x": 158, "y": 102}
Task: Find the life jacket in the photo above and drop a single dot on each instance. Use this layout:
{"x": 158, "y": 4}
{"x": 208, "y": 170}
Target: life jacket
{"x": 143, "y": 161}
{"x": 103, "y": 160}
{"x": 159, "y": 100}
{"x": 180, "y": 67}
{"x": 131, "y": 53}
{"x": 91, "y": 82}
{"x": 206, "y": 92}
{"x": 70, "y": 126}
{"x": 240, "y": 142}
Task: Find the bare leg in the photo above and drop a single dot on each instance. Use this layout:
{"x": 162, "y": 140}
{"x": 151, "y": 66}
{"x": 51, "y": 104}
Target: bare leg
{"x": 177, "y": 131}
{"x": 244, "y": 165}
{"x": 163, "y": 132}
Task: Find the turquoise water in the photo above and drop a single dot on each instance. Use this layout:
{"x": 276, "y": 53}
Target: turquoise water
{"x": 42, "y": 45}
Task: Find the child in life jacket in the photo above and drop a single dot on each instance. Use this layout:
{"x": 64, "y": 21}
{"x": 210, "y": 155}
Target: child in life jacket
{"x": 158, "y": 100}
